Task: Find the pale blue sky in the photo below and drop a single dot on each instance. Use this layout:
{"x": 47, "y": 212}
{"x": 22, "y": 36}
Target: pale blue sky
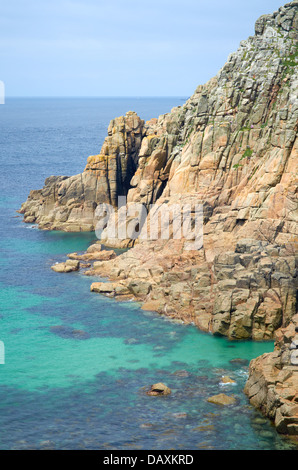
{"x": 120, "y": 48}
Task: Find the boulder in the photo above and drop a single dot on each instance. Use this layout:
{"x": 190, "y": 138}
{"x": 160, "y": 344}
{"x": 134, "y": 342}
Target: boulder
{"x": 95, "y": 248}
{"x": 66, "y": 267}
{"x": 159, "y": 389}
{"x": 227, "y": 380}
{"x": 222, "y": 399}
{"x": 110, "y": 289}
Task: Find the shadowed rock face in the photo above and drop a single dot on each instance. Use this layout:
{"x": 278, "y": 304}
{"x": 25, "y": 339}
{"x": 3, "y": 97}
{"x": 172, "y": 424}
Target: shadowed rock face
{"x": 69, "y": 203}
{"x": 231, "y": 147}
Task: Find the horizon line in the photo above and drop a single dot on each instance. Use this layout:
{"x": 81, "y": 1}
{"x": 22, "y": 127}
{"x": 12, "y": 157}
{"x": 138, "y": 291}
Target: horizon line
{"x": 95, "y": 96}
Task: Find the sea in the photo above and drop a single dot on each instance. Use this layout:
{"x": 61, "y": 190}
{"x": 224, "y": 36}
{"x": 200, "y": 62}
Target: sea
{"x": 77, "y": 365}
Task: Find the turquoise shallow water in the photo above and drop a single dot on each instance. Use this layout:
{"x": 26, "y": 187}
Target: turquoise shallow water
{"x": 77, "y": 364}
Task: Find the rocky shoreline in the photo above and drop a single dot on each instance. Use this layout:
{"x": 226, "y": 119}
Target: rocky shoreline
{"x": 272, "y": 386}
{"x": 232, "y": 148}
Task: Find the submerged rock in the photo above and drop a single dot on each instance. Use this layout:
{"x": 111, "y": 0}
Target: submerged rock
{"x": 222, "y": 399}
{"x": 241, "y": 362}
{"x": 181, "y": 415}
{"x": 181, "y": 373}
{"x": 69, "y": 332}
{"x": 227, "y": 380}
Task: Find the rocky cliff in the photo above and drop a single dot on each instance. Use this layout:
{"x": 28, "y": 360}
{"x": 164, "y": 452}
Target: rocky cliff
{"x": 232, "y": 147}
{"x": 69, "y": 203}
{"x": 273, "y": 381}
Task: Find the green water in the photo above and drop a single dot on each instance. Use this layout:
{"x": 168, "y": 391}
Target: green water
{"x": 78, "y": 358}
{"x": 36, "y": 356}
{"x": 77, "y": 365}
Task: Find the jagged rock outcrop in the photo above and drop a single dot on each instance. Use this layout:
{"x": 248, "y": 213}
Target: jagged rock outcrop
{"x": 233, "y": 148}
{"x": 273, "y": 381}
{"x": 69, "y": 203}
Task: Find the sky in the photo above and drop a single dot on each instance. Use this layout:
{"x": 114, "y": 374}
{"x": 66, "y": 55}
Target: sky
{"x": 120, "y": 48}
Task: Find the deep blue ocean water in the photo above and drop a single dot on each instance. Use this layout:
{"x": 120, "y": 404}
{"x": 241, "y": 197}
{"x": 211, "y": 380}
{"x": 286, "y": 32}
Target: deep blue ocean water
{"x": 64, "y": 389}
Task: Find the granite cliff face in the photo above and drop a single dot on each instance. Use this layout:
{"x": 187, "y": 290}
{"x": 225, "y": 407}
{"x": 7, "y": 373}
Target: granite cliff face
{"x": 233, "y": 148}
{"x": 69, "y": 203}
{"x": 273, "y": 381}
